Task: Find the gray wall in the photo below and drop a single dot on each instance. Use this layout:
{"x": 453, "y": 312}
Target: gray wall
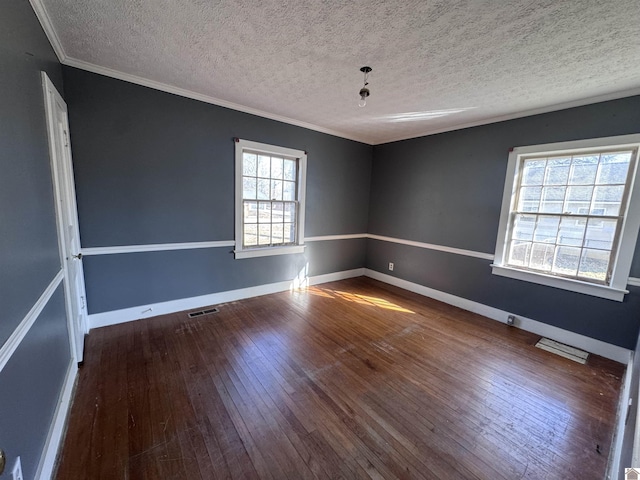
{"x": 32, "y": 379}
{"x": 152, "y": 167}
{"x": 447, "y": 189}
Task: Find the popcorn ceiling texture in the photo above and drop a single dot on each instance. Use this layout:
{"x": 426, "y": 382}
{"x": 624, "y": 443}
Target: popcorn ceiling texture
{"x": 463, "y": 61}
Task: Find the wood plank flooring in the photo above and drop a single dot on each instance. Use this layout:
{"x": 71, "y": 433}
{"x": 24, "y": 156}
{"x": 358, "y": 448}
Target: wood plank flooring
{"x": 347, "y": 380}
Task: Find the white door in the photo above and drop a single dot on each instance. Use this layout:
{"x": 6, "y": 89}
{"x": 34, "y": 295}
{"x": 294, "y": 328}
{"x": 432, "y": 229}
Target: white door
{"x": 66, "y": 215}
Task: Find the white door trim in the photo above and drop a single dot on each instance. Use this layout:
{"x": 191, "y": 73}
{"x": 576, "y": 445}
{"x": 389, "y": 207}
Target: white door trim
{"x": 65, "y": 197}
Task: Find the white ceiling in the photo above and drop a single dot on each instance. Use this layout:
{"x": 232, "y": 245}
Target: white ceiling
{"x": 437, "y": 65}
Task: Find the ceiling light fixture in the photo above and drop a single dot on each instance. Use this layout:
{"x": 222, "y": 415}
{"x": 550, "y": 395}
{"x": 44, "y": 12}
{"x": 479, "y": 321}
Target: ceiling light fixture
{"x": 364, "y": 91}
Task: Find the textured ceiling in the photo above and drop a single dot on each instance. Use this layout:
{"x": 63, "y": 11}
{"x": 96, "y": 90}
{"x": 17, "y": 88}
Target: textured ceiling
{"x": 437, "y": 65}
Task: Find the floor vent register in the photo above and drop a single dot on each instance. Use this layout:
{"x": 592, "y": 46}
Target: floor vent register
{"x": 563, "y": 350}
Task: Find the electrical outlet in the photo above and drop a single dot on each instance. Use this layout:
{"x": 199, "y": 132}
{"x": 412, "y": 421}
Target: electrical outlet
{"x": 16, "y": 473}
{"x": 391, "y": 266}
{"x": 511, "y": 319}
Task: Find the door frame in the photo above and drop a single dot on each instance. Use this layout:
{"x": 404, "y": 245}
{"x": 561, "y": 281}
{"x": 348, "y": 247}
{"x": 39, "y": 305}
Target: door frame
{"x": 62, "y": 197}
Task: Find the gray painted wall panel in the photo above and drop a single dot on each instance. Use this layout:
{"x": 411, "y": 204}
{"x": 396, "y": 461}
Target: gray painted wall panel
{"x": 127, "y": 280}
{"x": 335, "y": 255}
{"x": 29, "y": 256}
{"x": 152, "y": 167}
{"x": 31, "y": 384}
{"x": 447, "y": 189}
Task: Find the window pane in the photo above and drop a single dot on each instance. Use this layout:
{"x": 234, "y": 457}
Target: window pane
{"x": 289, "y": 191}
{"x": 614, "y": 167}
{"x": 566, "y": 261}
{"x": 264, "y": 212}
{"x": 557, "y": 171}
{"x": 571, "y": 231}
{"x": 276, "y": 212}
{"x": 249, "y": 188}
{"x": 277, "y": 233}
{"x": 276, "y": 189}
{"x": 264, "y": 231}
{"x": 594, "y": 264}
{"x": 289, "y": 212}
{"x": 541, "y": 256}
{"x": 529, "y": 199}
{"x": 519, "y": 253}
{"x": 250, "y": 212}
{"x": 263, "y": 189}
{"x": 523, "y": 227}
{"x": 276, "y": 167}
{"x": 583, "y": 170}
{"x": 552, "y": 199}
{"x": 607, "y": 200}
{"x": 533, "y": 172}
{"x": 250, "y": 235}
{"x": 289, "y": 169}
{"x": 578, "y": 200}
{"x": 289, "y": 233}
{"x": 249, "y": 164}
{"x": 600, "y": 233}
{"x": 264, "y": 166}
{"x": 546, "y": 229}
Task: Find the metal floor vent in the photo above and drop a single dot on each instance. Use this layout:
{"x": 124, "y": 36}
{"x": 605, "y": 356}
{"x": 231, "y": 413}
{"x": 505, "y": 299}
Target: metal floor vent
{"x": 203, "y": 312}
{"x": 563, "y": 350}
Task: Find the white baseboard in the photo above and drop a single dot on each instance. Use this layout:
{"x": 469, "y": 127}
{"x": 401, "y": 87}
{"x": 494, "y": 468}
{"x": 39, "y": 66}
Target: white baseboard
{"x": 56, "y": 431}
{"x": 615, "y": 453}
{"x": 582, "y": 342}
{"x": 114, "y": 317}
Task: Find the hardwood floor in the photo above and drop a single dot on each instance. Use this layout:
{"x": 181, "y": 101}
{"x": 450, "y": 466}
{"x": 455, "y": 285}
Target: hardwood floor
{"x": 347, "y": 380}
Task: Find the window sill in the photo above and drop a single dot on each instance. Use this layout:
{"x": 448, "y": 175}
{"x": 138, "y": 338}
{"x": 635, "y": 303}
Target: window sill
{"x": 268, "y": 251}
{"x": 602, "y": 291}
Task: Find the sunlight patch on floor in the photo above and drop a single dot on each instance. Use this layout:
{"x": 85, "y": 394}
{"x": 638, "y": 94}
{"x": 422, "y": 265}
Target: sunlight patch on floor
{"x": 356, "y": 298}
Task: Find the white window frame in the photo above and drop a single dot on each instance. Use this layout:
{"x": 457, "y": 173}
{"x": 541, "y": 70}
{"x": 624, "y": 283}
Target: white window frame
{"x": 252, "y": 252}
{"x": 616, "y": 289}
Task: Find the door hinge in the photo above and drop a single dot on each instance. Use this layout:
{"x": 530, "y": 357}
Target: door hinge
{"x": 83, "y": 305}
{"x": 66, "y": 138}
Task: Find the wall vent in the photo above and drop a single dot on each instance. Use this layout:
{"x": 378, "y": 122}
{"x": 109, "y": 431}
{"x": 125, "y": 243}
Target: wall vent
{"x": 200, "y": 313}
{"x": 563, "y": 350}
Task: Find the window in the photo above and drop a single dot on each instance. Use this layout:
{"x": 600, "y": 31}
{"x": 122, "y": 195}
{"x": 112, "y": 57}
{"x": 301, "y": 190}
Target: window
{"x": 570, "y": 215}
{"x": 270, "y": 191}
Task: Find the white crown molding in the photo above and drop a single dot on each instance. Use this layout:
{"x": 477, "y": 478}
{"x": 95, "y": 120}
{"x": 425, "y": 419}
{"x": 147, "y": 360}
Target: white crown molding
{"x": 13, "y": 342}
{"x": 56, "y": 431}
{"x": 49, "y": 31}
{"x": 109, "y": 72}
{"x": 583, "y": 342}
{"x": 114, "y": 317}
{"x": 431, "y": 246}
{"x": 51, "y": 34}
{"x": 154, "y": 247}
{"x": 525, "y": 113}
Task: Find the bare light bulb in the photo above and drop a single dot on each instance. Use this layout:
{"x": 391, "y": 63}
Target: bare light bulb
{"x": 364, "y": 93}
